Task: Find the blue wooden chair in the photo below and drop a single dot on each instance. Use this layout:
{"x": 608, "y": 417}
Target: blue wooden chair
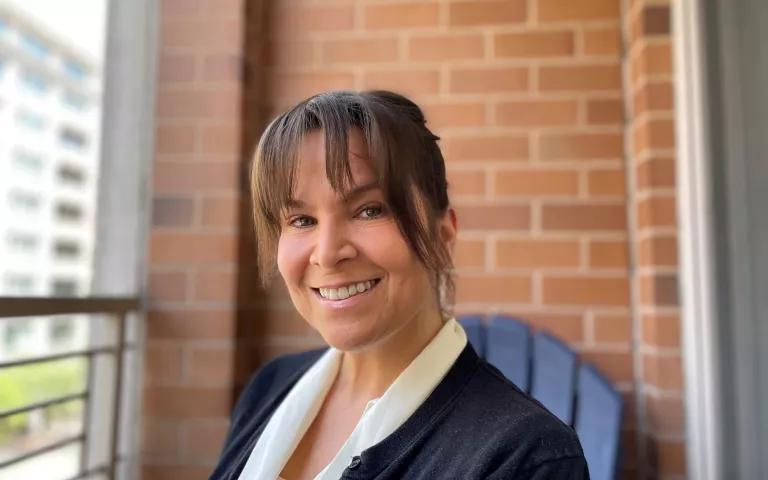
{"x": 473, "y": 325}
{"x": 554, "y": 375}
{"x": 508, "y": 348}
{"x": 598, "y": 422}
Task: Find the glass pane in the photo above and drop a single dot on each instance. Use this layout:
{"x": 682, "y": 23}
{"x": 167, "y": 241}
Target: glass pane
{"x": 51, "y": 86}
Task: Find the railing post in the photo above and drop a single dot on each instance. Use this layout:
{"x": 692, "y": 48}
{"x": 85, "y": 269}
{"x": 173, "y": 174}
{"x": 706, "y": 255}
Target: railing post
{"x": 116, "y": 405}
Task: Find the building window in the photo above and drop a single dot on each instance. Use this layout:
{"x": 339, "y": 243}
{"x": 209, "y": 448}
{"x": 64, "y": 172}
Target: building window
{"x": 18, "y": 284}
{"x": 71, "y": 175}
{"x": 21, "y": 242}
{"x": 61, "y": 331}
{"x": 23, "y": 202}
{"x": 74, "y": 101}
{"x": 27, "y": 161}
{"x": 64, "y": 287}
{"x": 68, "y": 212}
{"x": 66, "y": 249}
{"x": 16, "y": 332}
{"x": 72, "y": 137}
{"x": 74, "y": 70}
{"x": 34, "y": 47}
{"x": 30, "y": 121}
{"x": 34, "y": 82}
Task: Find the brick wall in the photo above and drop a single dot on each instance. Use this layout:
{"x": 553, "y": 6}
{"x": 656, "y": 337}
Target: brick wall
{"x": 194, "y": 239}
{"x": 651, "y": 156}
{"x": 556, "y": 125}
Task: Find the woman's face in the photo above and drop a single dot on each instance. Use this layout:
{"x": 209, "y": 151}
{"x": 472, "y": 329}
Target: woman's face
{"x": 348, "y": 270}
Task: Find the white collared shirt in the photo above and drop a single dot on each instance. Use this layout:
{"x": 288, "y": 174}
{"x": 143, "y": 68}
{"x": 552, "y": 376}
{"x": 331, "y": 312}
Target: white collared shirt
{"x": 381, "y": 416}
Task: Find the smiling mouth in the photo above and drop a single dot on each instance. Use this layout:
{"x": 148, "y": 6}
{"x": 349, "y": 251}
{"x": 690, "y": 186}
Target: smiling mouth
{"x": 351, "y": 290}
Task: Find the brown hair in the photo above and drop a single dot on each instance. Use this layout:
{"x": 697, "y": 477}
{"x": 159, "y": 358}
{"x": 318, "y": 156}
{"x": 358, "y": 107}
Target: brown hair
{"x": 403, "y": 151}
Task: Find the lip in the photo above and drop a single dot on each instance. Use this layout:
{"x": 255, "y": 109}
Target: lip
{"x": 349, "y": 302}
{"x": 344, "y": 284}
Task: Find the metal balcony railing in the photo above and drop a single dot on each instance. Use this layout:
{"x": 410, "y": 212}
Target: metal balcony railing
{"x": 116, "y": 307}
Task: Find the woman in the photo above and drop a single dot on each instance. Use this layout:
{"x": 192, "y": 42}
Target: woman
{"x": 350, "y": 203}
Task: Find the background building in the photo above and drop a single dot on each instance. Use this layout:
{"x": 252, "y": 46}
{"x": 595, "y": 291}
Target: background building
{"x": 50, "y": 113}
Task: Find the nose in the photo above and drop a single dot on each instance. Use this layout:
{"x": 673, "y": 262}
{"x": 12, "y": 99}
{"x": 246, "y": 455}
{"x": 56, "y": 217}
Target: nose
{"x": 332, "y": 246}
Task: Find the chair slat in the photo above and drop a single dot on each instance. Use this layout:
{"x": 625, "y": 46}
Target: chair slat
{"x": 598, "y": 422}
{"x": 554, "y": 375}
{"x": 473, "y": 325}
{"x": 508, "y": 348}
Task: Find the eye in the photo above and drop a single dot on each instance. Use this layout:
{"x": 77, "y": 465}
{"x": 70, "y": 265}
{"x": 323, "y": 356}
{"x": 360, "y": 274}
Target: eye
{"x": 371, "y": 212}
{"x": 301, "y": 222}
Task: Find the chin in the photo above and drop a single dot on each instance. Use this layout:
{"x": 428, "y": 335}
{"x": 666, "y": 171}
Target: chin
{"x": 350, "y": 339}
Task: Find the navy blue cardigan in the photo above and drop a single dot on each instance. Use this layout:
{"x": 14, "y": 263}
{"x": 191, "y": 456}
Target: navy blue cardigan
{"x": 476, "y": 424}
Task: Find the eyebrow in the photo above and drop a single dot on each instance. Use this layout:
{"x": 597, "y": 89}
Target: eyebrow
{"x": 348, "y": 197}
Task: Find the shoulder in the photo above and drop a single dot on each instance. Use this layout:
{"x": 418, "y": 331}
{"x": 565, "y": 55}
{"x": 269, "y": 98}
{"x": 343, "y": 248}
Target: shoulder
{"x": 272, "y": 378}
{"x": 515, "y": 428}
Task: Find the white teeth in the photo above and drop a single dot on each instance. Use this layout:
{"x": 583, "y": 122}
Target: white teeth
{"x": 346, "y": 292}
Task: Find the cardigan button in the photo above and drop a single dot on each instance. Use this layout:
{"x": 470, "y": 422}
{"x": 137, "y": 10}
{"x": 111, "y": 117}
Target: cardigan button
{"x": 355, "y": 463}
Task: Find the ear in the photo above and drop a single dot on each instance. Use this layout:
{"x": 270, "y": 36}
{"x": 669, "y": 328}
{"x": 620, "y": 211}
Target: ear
{"x": 449, "y": 228}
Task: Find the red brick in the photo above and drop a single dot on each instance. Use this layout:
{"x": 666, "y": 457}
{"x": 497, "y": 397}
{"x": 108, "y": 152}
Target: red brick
{"x": 445, "y": 115}
{"x": 584, "y": 217}
{"x": 287, "y": 52}
{"x": 167, "y": 286}
{"x": 190, "y": 324}
{"x": 659, "y": 289}
{"x": 466, "y": 182}
{"x": 483, "y": 80}
{"x": 496, "y": 289}
{"x": 654, "y": 96}
{"x": 303, "y": 19}
{"x": 664, "y": 372}
{"x": 537, "y": 253}
{"x": 606, "y": 183}
{"x": 188, "y": 248}
{"x": 657, "y": 211}
{"x": 671, "y": 457}
{"x": 174, "y": 472}
{"x": 580, "y": 78}
{"x": 222, "y": 68}
{"x": 190, "y": 103}
{"x": 220, "y": 211}
{"x": 409, "y": 82}
{"x": 175, "y": 139}
{"x": 297, "y": 86}
{"x": 202, "y": 34}
{"x": 202, "y": 439}
{"x": 187, "y": 402}
{"x": 469, "y": 253}
{"x": 173, "y": 177}
{"x": 537, "y": 113}
{"x": 658, "y": 251}
{"x": 656, "y": 171}
{"x": 401, "y": 16}
{"x": 582, "y": 290}
{"x": 569, "y": 328}
{"x": 612, "y": 328}
{"x": 160, "y": 438}
{"x": 576, "y": 146}
{"x": 564, "y": 10}
{"x": 215, "y": 285}
{"x": 172, "y": 212}
{"x": 539, "y": 44}
{"x": 665, "y": 415}
{"x": 490, "y": 147}
{"x": 617, "y": 366}
{"x": 537, "y": 182}
{"x": 602, "y": 41}
{"x": 174, "y": 68}
{"x": 446, "y": 47}
{"x": 487, "y": 12}
{"x": 162, "y": 363}
{"x": 493, "y": 217}
{"x": 605, "y": 112}
{"x": 360, "y": 50}
{"x": 655, "y": 19}
{"x": 210, "y": 365}
{"x": 608, "y": 254}
{"x": 179, "y": 8}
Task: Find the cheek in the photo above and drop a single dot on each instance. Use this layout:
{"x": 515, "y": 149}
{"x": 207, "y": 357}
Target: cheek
{"x": 292, "y": 258}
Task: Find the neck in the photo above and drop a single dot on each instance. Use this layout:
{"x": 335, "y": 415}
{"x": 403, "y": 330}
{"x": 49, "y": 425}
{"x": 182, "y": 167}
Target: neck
{"x": 368, "y": 373}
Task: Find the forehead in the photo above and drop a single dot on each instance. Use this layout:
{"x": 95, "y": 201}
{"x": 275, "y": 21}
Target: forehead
{"x": 311, "y": 167}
